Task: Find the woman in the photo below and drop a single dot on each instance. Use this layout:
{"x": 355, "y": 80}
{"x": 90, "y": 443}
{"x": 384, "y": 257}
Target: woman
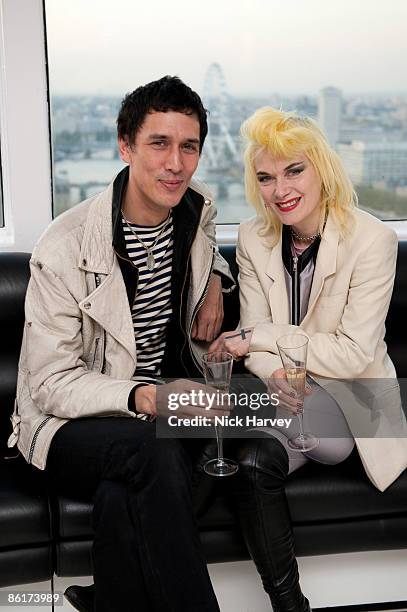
{"x": 310, "y": 263}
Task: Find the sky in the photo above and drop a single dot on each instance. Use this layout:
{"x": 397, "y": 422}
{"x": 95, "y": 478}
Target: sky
{"x": 109, "y": 47}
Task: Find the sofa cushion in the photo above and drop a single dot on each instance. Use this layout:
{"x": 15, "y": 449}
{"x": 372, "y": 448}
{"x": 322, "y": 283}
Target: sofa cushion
{"x": 14, "y": 275}
{"x": 25, "y": 565}
{"x": 24, "y": 509}
{"x": 316, "y": 494}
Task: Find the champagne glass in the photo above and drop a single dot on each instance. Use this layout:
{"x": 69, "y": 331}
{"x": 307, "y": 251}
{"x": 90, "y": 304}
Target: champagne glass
{"x": 217, "y": 368}
{"x": 293, "y": 352}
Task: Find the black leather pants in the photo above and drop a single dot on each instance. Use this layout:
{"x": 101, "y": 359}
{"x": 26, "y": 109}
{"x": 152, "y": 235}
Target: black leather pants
{"x": 259, "y": 495}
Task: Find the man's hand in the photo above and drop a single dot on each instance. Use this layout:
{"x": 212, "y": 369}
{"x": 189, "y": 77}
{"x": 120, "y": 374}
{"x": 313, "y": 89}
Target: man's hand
{"x": 145, "y": 399}
{"x": 153, "y": 400}
{"x": 209, "y": 317}
{"x": 233, "y": 342}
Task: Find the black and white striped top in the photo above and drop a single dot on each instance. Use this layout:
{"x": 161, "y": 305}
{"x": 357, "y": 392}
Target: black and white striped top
{"x": 152, "y": 304}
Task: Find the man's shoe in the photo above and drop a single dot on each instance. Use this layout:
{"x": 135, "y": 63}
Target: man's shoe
{"x": 81, "y": 597}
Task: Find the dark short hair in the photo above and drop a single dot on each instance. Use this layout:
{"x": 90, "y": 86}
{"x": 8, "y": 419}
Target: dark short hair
{"x": 167, "y": 94}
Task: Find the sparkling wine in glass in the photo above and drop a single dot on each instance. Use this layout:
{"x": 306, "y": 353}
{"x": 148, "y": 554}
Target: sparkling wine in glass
{"x": 296, "y": 377}
{"x": 217, "y": 368}
{"x": 293, "y": 352}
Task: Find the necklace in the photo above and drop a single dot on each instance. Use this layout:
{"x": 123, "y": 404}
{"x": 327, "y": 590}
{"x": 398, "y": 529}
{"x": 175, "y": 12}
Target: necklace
{"x": 150, "y": 263}
{"x": 305, "y": 238}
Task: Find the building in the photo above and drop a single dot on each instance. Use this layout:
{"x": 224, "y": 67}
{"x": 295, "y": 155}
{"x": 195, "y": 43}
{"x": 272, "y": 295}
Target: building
{"x": 370, "y": 163}
{"x": 329, "y": 113}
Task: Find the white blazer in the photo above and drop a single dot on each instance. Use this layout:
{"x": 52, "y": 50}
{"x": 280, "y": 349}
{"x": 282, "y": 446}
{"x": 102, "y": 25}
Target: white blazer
{"x": 345, "y": 324}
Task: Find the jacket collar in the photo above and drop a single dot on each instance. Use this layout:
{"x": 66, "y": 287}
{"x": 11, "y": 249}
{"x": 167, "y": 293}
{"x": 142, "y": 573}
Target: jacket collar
{"x": 119, "y": 189}
{"x": 96, "y": 253}
{"x": 278, "y": 297}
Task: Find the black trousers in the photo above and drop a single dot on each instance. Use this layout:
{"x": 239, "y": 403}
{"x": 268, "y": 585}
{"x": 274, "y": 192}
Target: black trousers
{"x": 147, "y": 553}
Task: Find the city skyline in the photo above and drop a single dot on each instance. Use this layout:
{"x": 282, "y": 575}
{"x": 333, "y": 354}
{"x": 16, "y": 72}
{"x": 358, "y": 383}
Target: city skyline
{"x": 370, "y": 135}
{"x": 264, "y": 47}
{"x": 312, "y": 95}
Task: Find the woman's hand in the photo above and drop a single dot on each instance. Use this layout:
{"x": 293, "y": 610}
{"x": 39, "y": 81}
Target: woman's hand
{"x": 289, "y": 400}
{"x": 235, "y": 342}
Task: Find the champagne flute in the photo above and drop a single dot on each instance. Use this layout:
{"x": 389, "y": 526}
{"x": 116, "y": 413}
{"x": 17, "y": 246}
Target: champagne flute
{"x": 217, "y": 368}
{"x": 293, "y": 352}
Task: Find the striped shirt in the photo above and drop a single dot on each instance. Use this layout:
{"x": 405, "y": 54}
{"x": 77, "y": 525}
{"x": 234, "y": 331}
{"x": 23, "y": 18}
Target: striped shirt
{"x": 151, "y": 309}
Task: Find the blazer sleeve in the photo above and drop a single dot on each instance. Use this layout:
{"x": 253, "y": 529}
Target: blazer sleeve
{"x": 348, "y": 351}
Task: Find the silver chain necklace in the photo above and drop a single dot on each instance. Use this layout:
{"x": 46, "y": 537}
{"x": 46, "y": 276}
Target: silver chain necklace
{"x": 150, "y": 263}
{"x": 305, "y": 238}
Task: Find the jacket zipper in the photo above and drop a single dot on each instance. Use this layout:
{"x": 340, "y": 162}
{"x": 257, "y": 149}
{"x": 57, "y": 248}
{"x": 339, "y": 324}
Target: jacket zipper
{"x": 102, "y": 352}
{"x": 36, "y": 433}
{"x": 98, "y": 280}
{"x": 95, "y": 353}
{"x": 295, "y": 300}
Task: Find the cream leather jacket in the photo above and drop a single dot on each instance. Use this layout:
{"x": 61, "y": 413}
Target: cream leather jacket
{"x": 75, "y": 325}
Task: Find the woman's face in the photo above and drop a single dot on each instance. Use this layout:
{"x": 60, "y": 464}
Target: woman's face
{"x": 292, "y": 189}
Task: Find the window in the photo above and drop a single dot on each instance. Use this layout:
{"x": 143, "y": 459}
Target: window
{"x": 238, "y": 57}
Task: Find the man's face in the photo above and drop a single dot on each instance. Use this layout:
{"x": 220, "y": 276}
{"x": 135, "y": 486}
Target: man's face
{"x": 162, "y": 160}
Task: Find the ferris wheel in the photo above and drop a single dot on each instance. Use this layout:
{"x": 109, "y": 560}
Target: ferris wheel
{"x": 219, "y": 146}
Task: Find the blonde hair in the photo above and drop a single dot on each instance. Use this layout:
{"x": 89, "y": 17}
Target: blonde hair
{"x": 285, "y": 135}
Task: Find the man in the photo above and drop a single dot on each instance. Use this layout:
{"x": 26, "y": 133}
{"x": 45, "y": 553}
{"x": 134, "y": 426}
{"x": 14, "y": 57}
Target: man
{"x": 123, "y": 288}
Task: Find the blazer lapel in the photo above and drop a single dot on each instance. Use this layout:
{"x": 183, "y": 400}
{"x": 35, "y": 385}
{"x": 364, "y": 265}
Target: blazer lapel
{"x": 325, "y": 264}
{"x": 278, "y": 291}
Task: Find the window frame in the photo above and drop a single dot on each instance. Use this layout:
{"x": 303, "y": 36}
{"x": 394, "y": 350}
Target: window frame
{"x": 6, "y": 230}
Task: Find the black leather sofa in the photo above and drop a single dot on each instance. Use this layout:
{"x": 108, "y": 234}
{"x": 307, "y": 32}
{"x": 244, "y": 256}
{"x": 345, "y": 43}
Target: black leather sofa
{"x": 333, "y": 509}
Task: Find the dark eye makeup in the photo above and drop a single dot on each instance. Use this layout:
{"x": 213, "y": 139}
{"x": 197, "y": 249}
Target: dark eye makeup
{"x": 296, "y": 170}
